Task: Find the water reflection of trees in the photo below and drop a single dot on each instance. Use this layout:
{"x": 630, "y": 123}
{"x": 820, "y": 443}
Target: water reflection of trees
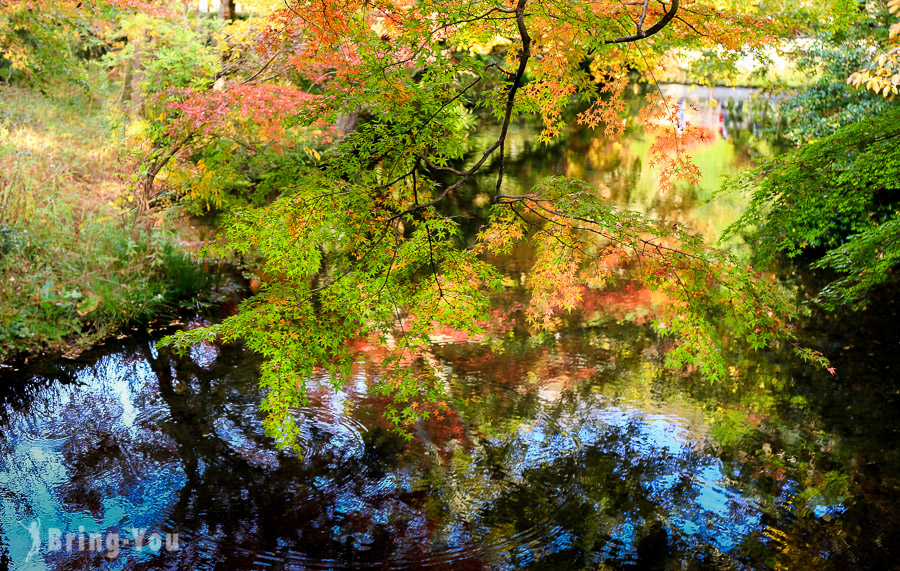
{"x": 558, "y": 451}
{"x": 617, "y": 167}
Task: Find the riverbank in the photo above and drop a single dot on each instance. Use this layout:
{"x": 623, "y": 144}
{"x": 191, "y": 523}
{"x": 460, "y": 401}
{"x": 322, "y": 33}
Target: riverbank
{"x": 74, "y": 266}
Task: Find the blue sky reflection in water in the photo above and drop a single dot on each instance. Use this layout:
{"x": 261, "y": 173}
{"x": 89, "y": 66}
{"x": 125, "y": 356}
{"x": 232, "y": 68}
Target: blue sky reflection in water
{"x": 553, "y": 465}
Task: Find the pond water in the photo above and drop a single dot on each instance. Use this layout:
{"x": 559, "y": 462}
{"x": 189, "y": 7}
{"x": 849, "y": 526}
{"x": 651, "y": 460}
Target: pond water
{"x": 567, "y": 450}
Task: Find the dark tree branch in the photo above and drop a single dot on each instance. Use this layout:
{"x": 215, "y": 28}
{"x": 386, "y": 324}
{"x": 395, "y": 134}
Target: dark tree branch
{"x": 504, "y": 129}
{"x": 640, "y": 24}
{"x": 434, "y": 271}
{"x": 642, "y": 34}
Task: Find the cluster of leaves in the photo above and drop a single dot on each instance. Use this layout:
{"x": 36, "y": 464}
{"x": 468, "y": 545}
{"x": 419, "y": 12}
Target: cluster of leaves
{"x": 581, "y": 239}
{"x": 835, "y": 199}
{"x": 882, "y": 75}
{"x": 36, "y": 41}
{"x": 838, "y": 194}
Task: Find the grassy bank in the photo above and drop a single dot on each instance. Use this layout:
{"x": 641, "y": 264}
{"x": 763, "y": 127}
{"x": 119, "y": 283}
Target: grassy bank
{"x": 74, "y": 267}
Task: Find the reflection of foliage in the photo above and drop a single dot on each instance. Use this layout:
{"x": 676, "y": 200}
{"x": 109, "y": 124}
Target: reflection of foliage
{"x": 574, "y": 450}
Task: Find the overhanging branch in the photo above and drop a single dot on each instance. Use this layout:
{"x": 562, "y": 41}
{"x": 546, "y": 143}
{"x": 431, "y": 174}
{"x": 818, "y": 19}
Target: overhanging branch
{"x": 654, "y": 29}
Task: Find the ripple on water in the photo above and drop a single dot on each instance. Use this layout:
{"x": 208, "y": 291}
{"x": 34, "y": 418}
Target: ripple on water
{"x": 332, "y": 449}
{"x": 481, "y": 481}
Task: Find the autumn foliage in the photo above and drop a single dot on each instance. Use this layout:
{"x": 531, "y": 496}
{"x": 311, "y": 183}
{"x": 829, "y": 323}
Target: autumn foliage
{"x": 357, "y": 239}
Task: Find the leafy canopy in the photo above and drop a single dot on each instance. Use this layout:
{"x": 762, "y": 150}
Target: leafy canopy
{"x": 360, "y": 241}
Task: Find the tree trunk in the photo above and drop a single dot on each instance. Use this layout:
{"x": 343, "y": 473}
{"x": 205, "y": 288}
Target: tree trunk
{"x": 125, "y": 98}
{"x": 226, "y": 10}
{"x": 346, "y": 122}
{"x": 134, "y": 76}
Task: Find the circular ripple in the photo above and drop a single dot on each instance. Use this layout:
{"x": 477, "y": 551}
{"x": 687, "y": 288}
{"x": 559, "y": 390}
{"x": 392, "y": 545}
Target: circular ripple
{"x": 325, "y": 433}
{"x": 333, "y": 453}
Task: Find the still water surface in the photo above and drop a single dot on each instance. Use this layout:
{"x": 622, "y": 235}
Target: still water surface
{"x": 572, "y": 450}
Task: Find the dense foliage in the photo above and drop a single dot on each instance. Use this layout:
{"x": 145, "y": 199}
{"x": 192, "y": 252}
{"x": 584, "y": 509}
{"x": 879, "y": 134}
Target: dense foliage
{"x": 837, "y": 195}
{"x": 335, "y": 138}
{"x": 360, "y": 241}
{"x": 835, "y": 198}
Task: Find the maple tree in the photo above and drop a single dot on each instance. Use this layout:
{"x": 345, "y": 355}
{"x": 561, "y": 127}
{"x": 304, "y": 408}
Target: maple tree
{"x": 359, "y": 240}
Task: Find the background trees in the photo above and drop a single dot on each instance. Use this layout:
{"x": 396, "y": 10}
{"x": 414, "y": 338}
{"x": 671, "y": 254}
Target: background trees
{"x": 834, "y": 200}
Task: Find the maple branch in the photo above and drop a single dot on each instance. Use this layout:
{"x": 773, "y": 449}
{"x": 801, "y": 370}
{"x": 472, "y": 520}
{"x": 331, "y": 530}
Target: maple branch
{"x": 262, "y": 69}
{"x": 444, "y": 106}
{"x": 642, "y": 34}
{"x": 415, "y": 134}
{"x": 436, "y": 167}
{"x": 504, "y": 128}
{"x": 387, "y": 276}
{"x": 434, "y": 271}
{"x": 537, "y": 201}
{"x": 543, "y": 229}
{"x": 640, "y": 24}
{"x": 633, "y": 245}
{"x": 349, "y": 270}
{"x": 692, "y": 28}
{"x": 606, "y": 235}
{"x": 398, "y": 179}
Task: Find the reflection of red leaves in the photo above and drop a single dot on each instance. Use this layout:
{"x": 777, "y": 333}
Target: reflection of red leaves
{"x": 584, "y": 373}
{"x": 446, "y": 334}
{"x": 615, "y": 303}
